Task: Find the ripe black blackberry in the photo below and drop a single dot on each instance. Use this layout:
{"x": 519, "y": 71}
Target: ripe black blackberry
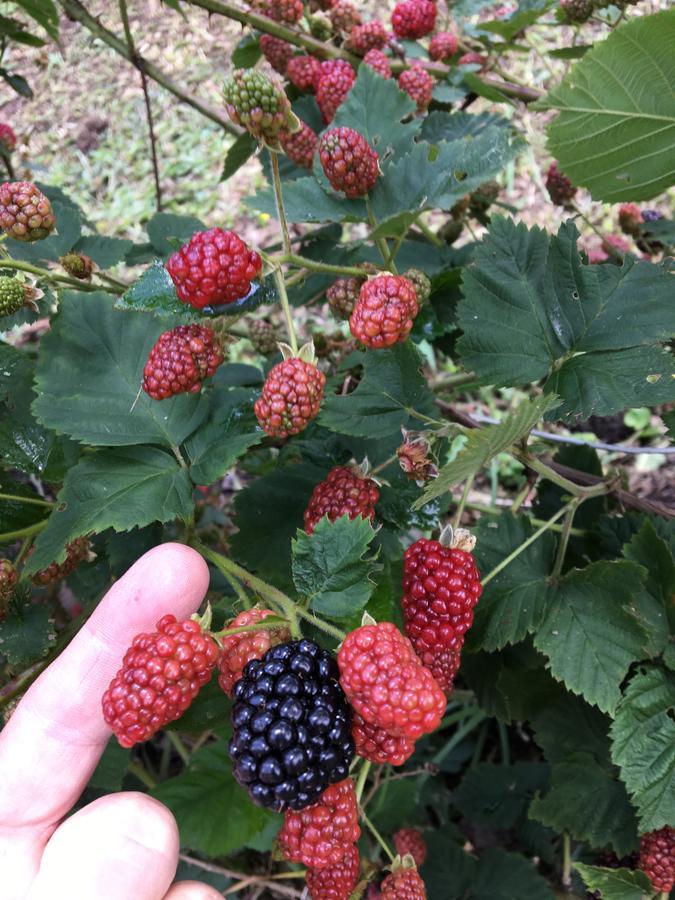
{"x": 292, "y": 726}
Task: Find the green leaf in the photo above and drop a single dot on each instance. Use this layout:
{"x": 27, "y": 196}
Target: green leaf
{"x": 18, "y": 83}
{"x": 499, "y": 795}
{"x": 566, "y": 723}
{"x": 484, "y": 443}
{"x": 230, "y": 430}
{"x": 105, "y": 251}
{"x": 329, "y": 567}
{"x": 247, "y": 52}
{"x": 532, "y": 310}
{"x": 507, "y": 876}
{"x": 654, "y": 604}
{"x": 168, "y": 231}
{"x": 45, "y": 13}
{"x": 89, "y": 374}
{"x": 585, "y": 800}
{"x": 111, "y": 769}
{"x": 589, "y": 635}
{"x": 513, "y": 603}
{"x": 21, "y": 511}
{"x": 67, "y": 234}
{"x": 306, "y": 201}
{"x": 614, "y": 132}
{"x": 448, "y": 870}
{"x": 391, "y": 386}
{"x": 615, "y": 884}
{"x": 26, "y": 635}
{"x": 643, "y": 746}
{"x": 457, "y": 126}
{"x": 239, "y": 152}
{"x": 214, "y": 814}
{"x": 121, "y": 489}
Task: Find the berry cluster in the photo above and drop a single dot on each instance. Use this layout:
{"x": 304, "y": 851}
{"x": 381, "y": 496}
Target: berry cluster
{"x": 12, "y": 295}
{"x": 384, "y": 313}
{"x": 657, "y": 858}
{"x": 239, "y": 649}
{"x": 413, "y": 19}
{"x": 333, "y": 84}
{"x": 561, "y": 190}
{"x": 300, "y": 146}
{"x": 291, "y": 397}
{"x": 349, "y": 162}
{"x": 342, "y": 296}
{"x": 25, "y": 213}
{"x": 418, "y": 85}
{"x": 76, "y": 552}
{"x": 345, "y": 492}
{"x": 180, "y": 360}
{"x": 258, "y": 104}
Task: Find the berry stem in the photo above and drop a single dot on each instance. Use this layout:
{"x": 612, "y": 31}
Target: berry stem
{"x": 29, "y": 531}
{"x": 522, "y": 547}
{"x": 285, "y": 305}
{"x": 265, "y": 625}
{"x": 361, "y": 781}
{"x": 315, "y": 266}
{"x": 52, "y": 277}
{"x": 476, "y": 718}
{"x": 498, "y": 510}
{"x": 462, "y": 502}
{"x": 179, "y": 746}
{"x": 137, "y": 770}
{"x": 567, "y": 861}
{"x": 242, "y": 596}
{"x": 564, "y": 537}
{"x": 504, "y": 743}
{"x": 376, "y": 834}
{"x": 431, "y": 236}
{"x": 320, "y": 624}
{"x": 380, "y": 243}
{"x": 34, "y": 500}
{"x": 279, "y": 198}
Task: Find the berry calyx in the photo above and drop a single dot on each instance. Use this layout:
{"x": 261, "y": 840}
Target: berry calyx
{"x": 344, "y": 492}
{"x": 180, "y": 360}
{"x": 349, "y": 161}
{"x": 291, "y": 397}
{"x": 303, "y": 72}
{"x": 377, "y": 745}
{"x": 441, "y": 587}
{"x": 239, "y": 649}
{"x": 7, "y": 139}
{"x": 404, "y": 883}
{"x": 25, "y": 213}
{"x": 161, "y": 674}
{"x": 78, "y": 265}
{"x": 320, "y": 835}
{"x": 291, "y": 728}
{"x": 378, "y": 62}
{"x": 335, "y": 882}
{"x": 260, "y": 105}
{"x": 385, "y": 311}
{"x": 369, "y": 36}
{"x": 76, "y": 552}
{"x": 334, "y": 83}
{"x": 342, "y": 296}
{"x": 214, "y": 267}
{"x": 277, "y": 52}
{"x": 387, "y": 684}
{"x": 300, "y": 146}
{"x": 443, "y": 46}
{"x": 12, "y": 295}
{"x": 418, "y": 85}
{"x": 657, "y": 858}
{"x": 413, "y": 19}
{"x": 263, "y": 336}
{"x": 409, "y": 840}
{"x": 560, "y": 188}
{"x": 414, "y": 457}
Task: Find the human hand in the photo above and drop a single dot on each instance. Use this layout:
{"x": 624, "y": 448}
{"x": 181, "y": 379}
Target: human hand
{"x": 122, "y": 846}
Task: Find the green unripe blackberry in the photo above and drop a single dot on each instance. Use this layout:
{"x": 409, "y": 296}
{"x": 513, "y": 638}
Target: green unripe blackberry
{"x": 260, "y": 105}
{"x": 12, "y": 295}
{"x": 577, "y": 10}
{"x": 421, "y": 283}
{"x": 263, "y": 336}
{"x": 78, "y": 265}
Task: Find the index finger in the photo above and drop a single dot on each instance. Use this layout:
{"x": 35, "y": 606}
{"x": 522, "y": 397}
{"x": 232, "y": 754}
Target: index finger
{"x": 55, "y": 737}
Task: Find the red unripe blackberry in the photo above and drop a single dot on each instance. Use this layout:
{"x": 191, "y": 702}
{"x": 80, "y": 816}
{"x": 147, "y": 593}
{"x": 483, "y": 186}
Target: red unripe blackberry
{"x": 377, "y": 745}
{"x": 239, "y": 649}
{"x": 657, "y": 858}
{"x": 161, "y": 675}
{"x": 8, "y": 581}
{"x": 76, "y": 551}
{"x": 342, "y": 296}
{"x": 300, "y": 146}
{"x": 403, "y": 884}
{"x": 443, "y": 46}
{"x": 614, "y": 243}
{"x": 25, "y": 213}
{"x": 384, "y": 312}
{"x": 320, "y": 835}
{"x": 289, "y": 11}
{"x": 577, "y": 10}
{"x": 387, "y": 684}
{"x": 630, "y": 219}
{"x": 263, "y": 336}
{"x": 349, "y": 161}
{"x": 472, "y": 59}
{"x": 12, "y": 295}
{"x": 409, "y": 840}
{"x": 344, "y": 492}
{"x": 278, "y": 53}
{"x": 418, "y": 85}
{"x": 441, "y": 587}
{"x": 334, "y": 83}
{"x": 78, "y": 265}
{"x": 214, "y": 267}
{"x": 335, "y": 882}
{"x": 378, "y": 62}
{"x": 303, "y": 72}
{"x": 291, "y": 397}
{"x": 560, "y": 188}
{"x": 344, "y": 16}
{"x": 413, "y": 18}
{"x": 7, "y": 138}
{"x": 180, "y": 360}
{"x": 259, "y": 104}
{"x": 369, "y": 36}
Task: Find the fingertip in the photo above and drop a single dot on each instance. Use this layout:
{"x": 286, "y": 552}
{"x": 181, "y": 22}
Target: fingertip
{"x": 192, "y": 890}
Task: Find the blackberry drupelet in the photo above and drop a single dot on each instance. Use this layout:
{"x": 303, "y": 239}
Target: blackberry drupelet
{"x": 292, "y": 726}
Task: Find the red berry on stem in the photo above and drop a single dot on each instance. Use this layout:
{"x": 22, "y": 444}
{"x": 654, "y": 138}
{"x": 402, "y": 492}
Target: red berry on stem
{"x": 384, "y": 312}
{"x": 25, "y": 213}
{"x": 413, "y": 18}
{"x": 214, "y": 267}
{"x": 239, "y": 649}
{"x": 300, "y": 146}
{"x": 443, "y": 46}
{"x": 291, "y": 397}
{"x": 303, "y": 72}
{"x": 7, "y": 138}
{"x": 349, "y": 161}
{"x": 345, "y": 492}
{"x": 320, "y": 835}
{"x": 76, "y": 552}
{"x": 342, "y": 296}
{"x": 387, "y": 684}
{"x": 560, "y": 188}
{"x": 377, "y": 745}
{"x": 335, "y": 882}
{"x": 378, "y": 62}
{"x": 409, "y": 840}
{"x": 657, "y": 858}
{"x": 161, "y": 675}
{"x": 403, "y": 884}
{"x": 278, "y": 53}
{"x": 630, "y": 219}
{"x": 180, "y": 360}
{"x": 333, "y": 85}
{"x": 344, "y": 16}
{"x": 418, "y": 84}
{"x": 369, "y": 36}
{"x": 289, "y": 11}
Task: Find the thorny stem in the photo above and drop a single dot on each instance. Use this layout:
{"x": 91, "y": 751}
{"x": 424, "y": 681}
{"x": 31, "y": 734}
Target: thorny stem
{"x": 361, "y": 781}
{"x": 498, "y": 510}
{"x": 476, "y": 718}
{"x": 46, "y": 275}
{"x": 380, "y": 243}
{"x": 279, "y": 199}
{"x": 286, "y": 307}
{"x": 520, "y": 497}
{"x": 376, "y": 834}
{"x": 320, "y": 624}
{"x": 179, "y": 456}
{"x": 428, "y": 233}
{"x": 28, "y": 531}
{"x": 264, "y": 625}
{"x": 314, "y": 266}
{"x": 462, "y": 502}
{"x": 242, "y": 596}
